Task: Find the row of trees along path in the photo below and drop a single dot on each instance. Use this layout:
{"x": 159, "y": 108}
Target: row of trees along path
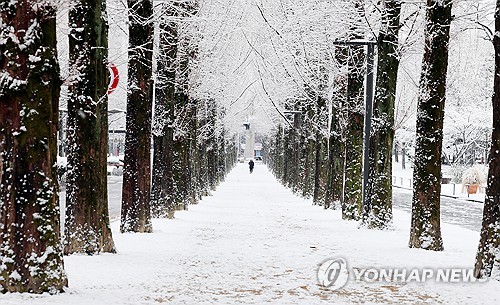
{"x": 193, "y": 155}
{"x": 328, "y": 167}
{"x": 190, "y": 157}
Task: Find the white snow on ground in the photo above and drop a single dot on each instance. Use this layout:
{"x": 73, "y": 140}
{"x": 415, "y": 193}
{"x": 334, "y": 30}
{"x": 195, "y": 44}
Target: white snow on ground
{"x": 254, "y": 242}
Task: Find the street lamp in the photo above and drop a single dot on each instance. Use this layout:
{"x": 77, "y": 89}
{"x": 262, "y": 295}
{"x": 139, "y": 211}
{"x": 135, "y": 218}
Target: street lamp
{"x": 113, "y": 141}
{"x": 63, "y": 112}
{"x": 297, "y": 124}
{"x": 368, "y": 107}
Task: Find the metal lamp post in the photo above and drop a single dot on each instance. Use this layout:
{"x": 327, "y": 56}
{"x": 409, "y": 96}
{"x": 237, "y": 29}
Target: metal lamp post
{"x": 297, "y": 124}
{"x": 368, "y": 107}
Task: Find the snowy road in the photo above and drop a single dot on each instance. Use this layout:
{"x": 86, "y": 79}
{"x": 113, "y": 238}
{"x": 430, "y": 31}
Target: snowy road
{"x": 115, "y": 184}
{"x": 466, "y": 214}
{"x": 254, "y": 242}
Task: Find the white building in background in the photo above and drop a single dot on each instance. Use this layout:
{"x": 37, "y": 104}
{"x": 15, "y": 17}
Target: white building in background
{"x": 257, "y": 148}
{"x": 249, "y": 144}
{"x": 247, "y": 153}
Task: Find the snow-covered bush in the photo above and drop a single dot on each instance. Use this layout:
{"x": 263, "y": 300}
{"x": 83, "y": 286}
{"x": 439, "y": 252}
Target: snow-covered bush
{"x": 474, "y": 175}
{"x": 457, "y": 172}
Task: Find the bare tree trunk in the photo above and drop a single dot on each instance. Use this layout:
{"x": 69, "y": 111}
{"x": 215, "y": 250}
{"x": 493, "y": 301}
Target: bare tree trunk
{"x": 291, "y": 158}
{"x": 318, "y": 168}
{"x": 162, "y": 183}
{"x": 425, "y": 222}
{"x": 202, "y": 149}
{"x": 336, "y": 163}
{"x": 195, "y": 164}
{"x": 321, "y": 142}
{"x": 336, "y": 154}
{"x": 351, "y": 206}
{"x": 396, "y": 152}
{"x": 181, "y": 172}
{"x": 280, "y": 154}
{"x": 87, "y": 222}
{"x": 183, "y": 116}
{"x": 308, "y": 165}
{"x": 212, "y": 146}
{"x": 403, "y": 157}
{"x": 30, "y": 248}
{"x": 288, "y": 155}
{"x": 136, "y": 211}
{"x": 222, "y": 155}
{"x": 487, "y": 259}
{"x": 378, "y": 213}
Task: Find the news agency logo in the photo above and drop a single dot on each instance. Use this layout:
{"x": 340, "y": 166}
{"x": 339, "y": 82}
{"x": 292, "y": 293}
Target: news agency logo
{"x": 333, "y": 273}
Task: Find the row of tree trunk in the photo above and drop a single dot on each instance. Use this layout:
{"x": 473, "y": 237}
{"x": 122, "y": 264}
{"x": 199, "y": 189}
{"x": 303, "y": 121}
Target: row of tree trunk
{"x": 335, "y": 157}
{"x": 87, "y": 221}
{"x": 31, "y": 257}
{"x": 192, "y": 153}
{"x": 342, "y": 158}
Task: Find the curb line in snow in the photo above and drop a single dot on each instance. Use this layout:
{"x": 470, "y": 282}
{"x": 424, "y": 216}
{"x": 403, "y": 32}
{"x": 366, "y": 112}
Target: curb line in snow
{"x": 442, "y": 195}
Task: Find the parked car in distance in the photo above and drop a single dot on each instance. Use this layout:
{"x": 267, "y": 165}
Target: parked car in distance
{"x": 115, "y": 166}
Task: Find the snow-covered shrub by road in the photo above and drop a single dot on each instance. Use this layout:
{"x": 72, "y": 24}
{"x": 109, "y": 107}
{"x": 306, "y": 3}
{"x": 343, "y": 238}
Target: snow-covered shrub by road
{"x": 474, "y": 175}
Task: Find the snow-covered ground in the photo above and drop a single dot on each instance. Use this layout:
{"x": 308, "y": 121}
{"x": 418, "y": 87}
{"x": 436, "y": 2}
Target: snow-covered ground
{"x": 254, "y": 242}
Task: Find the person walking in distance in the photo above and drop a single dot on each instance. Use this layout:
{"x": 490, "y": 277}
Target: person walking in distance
{"x": 251, "y": 165}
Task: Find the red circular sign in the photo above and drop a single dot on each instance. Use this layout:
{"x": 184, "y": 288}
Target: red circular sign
{"x": 113, "y": 78}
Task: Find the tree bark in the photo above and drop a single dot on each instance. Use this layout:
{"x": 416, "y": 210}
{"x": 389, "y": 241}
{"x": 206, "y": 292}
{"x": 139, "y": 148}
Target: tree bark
{"x": 307, "y": 147}
{"x": 31, "y": 257}
{"x": 202, "y": 150}
{"x": 318, "y": 168}
{"x": 221, "y": 168}
{"x": 162, "y": 183}
{"x": 136, "y": 210}
{"x": 321, "y": 142}
{"x": 195, "y": 164}
{"x": 87, "y": 222}
{"x": 487, "y": 258}
{"x": 278, "y": 154}
{"x": 336, "y": 163}
{"x": 425, "y": 223}
{"x": 351, "y": 206}
{"x": 396, "y": 152}
{"x": 336, "y": 154}
{"x": 212, "y": 146}
{"x": 183, "y": 116}
{"x": 377, "y": 214}
{"x": 403, "y": 157}
{"x": 308, "y": 164}
{"x": 288, "y": 156}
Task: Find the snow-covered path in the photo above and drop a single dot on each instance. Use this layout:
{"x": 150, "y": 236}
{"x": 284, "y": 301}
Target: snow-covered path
{"x": 254, "y": 242}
